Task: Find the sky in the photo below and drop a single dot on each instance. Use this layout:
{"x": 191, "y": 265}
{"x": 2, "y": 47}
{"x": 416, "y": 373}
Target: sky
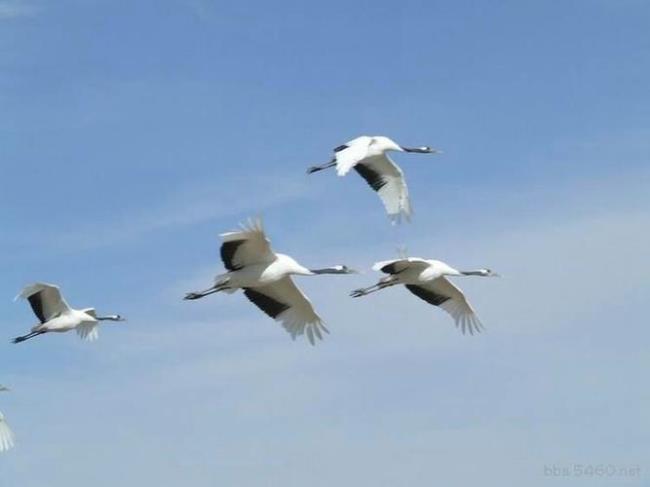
{"x": 133, "y": 133}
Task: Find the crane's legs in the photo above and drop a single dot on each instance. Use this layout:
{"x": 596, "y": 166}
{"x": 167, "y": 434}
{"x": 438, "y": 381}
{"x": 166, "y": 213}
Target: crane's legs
{"x": 28, "y": 336}
{"x": 206, "y": 292}
{"x": 384, "y": 283}
{"x": 321, "y": 167}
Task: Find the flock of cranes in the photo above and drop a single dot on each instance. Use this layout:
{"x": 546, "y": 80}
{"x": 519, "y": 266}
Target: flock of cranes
{"x": 265, "y": 277}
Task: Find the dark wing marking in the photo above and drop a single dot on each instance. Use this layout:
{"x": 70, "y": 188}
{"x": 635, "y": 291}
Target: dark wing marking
{"x": 427, "y": 295}
{"x": 269, "y": 305}
{"x": 37, "y": 306}
{"x": 228, "y": 250}
{"x": 390, "y": 268}
{"x": 340, "y": 148}
{"x": 373, "y": 178}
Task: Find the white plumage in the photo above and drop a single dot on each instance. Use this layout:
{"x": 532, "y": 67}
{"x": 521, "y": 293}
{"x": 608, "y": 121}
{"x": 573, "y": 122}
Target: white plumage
{"x": 264, "y": 277}
{"x": 368, "y": 156}
{"x": 6, "y": 435}
{"x": 427, "y": 280}
{"x": 55, "y": 315}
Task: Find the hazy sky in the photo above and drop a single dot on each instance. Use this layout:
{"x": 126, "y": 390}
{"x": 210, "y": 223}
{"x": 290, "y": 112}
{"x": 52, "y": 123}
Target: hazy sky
{"x": 132, "y": 133}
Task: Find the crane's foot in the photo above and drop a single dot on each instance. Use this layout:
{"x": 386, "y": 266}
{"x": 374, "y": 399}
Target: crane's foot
{"x": 191, "y": 296}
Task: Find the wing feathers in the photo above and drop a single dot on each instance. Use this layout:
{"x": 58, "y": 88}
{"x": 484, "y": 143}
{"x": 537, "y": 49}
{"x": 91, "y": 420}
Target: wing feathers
{"x": 248, "y": 246}
{"x": 45, "y": 300}
{"x": 267, "y": 304}
{"x": 398, "y": 265}
{"x": 88, "y": 331}
{"x": 285, "y": 303}
{"x": 6, "y": 435}
{"x": 442, "y": 293}
{"x": 386, "y": 177}
{"x": 349, "y": 154}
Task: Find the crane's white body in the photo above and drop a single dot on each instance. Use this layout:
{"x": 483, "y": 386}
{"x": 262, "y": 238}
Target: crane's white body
{"x": 414, "y": 270}
{"x": 70, "y": 320}
{"x": 357, "y": 150}
{"x": 427, "y": 279}
{"x": 56, "y": 316}
{"x": 265, "y": 278}
{"x": 6, "y": 435}
{"x": 259, "y": 275}
{"x": 368, "y": 155}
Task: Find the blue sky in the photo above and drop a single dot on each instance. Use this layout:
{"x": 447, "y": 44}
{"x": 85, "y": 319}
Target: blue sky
{"x": 133, "y": 133}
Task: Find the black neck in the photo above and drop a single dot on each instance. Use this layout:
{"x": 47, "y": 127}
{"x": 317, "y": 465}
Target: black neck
{"x": 472, "y": 273}
{"x": 327, "y": 270}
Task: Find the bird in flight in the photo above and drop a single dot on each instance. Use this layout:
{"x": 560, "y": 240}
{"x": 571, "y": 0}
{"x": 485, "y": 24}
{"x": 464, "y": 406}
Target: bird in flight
{"x": 265, "y": 278}
{"x": 427, "y": 279}
{"x": 368, "y": 156}
{"x": 6, "y": 436}
{"x": 55, "y": 315}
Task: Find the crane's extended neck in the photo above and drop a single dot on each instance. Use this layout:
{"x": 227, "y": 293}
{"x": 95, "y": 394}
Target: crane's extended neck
{"x": 420, "y": 150}
{"x": 110, "y": 318}
{"x": 480, "y": 272}
{"x": 337, "y": 269}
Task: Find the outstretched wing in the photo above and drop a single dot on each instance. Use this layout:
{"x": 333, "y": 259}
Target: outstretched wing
{"x": 88, "y": 331}
{"x": 6, "y": 435}
{"x": 284, "y": 302}
{"x": 350, "y": 153}
{"x": 398, "y": 265}
{"x": 45, "y": 299}
{"x": 247, "y": 246}
{"x": 387, "y": 179}
{"x": 442, "y": 293}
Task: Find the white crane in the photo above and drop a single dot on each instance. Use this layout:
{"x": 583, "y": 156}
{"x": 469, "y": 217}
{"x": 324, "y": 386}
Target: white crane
{"x": 427, "y": 280}
{"x": 265, "y": 278}
{"x": 55, "y": 315}
{"x": 368, "y": 156}
{"x": 6, "y": 436}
